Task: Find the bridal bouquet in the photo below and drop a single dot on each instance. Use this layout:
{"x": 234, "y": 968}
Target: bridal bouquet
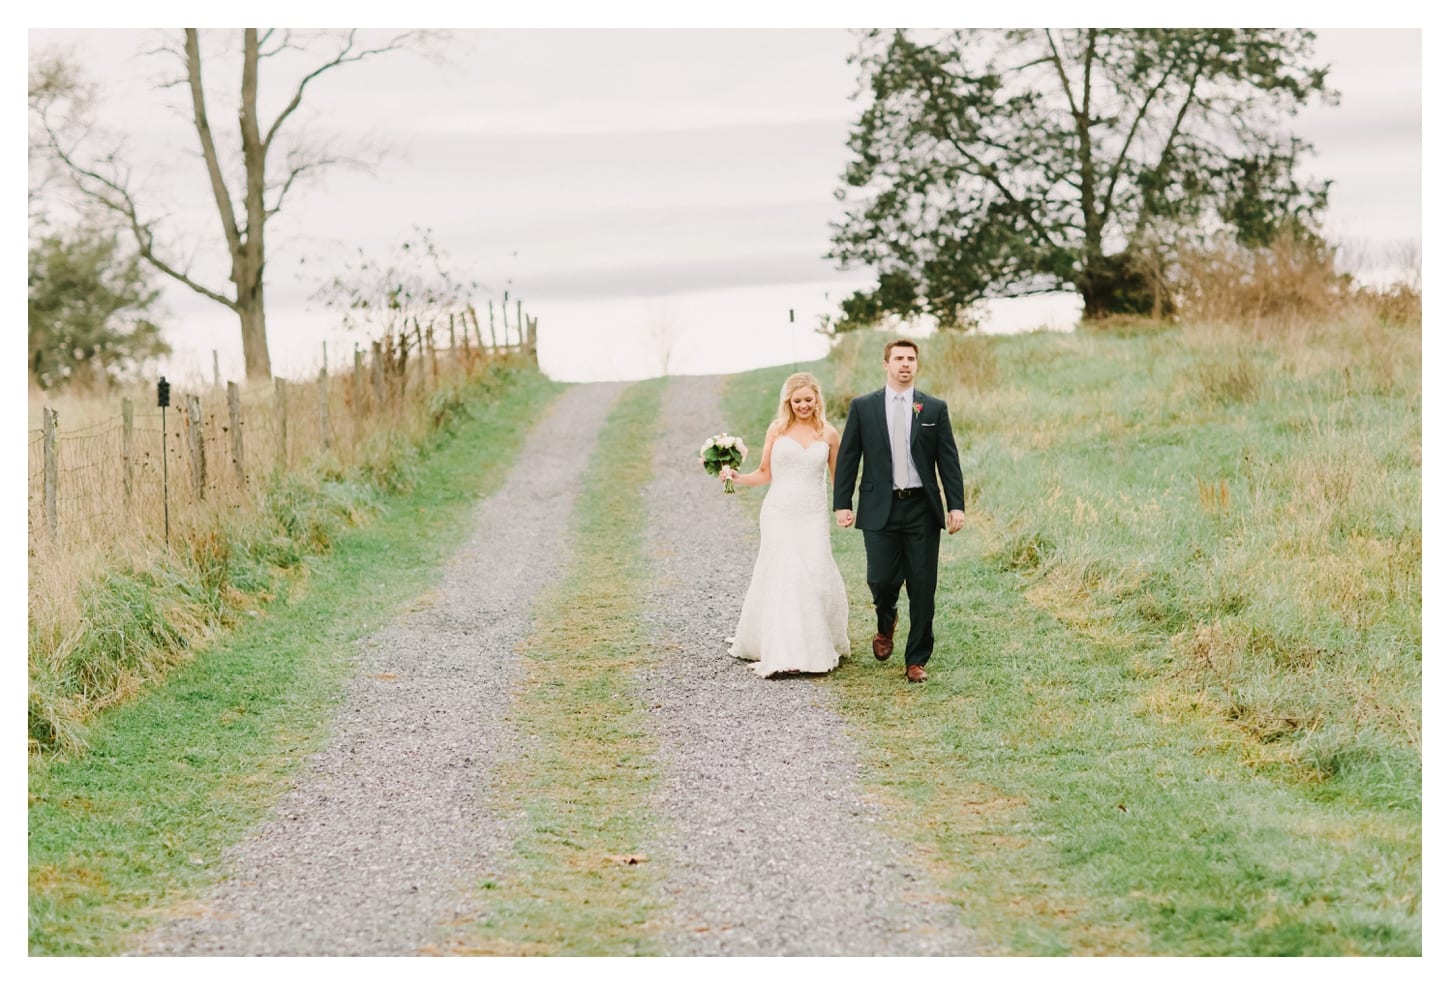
{"x": 720, "y": 451}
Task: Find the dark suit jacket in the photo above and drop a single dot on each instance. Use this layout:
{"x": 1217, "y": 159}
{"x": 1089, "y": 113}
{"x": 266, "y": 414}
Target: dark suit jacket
{"x": 866, "y": 443}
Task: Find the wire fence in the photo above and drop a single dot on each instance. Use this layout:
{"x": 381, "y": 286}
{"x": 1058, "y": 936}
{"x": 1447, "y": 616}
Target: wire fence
{"x": 136, "y": 474}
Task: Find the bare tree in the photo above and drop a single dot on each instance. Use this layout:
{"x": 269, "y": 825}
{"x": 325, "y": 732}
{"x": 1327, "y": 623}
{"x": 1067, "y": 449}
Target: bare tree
{"x": 264, "y": 184}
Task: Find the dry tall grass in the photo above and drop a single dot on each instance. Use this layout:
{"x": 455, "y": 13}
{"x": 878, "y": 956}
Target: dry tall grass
{"x": 1292, "y": 280}
{"x": 101, "y": 563}
{"x": 1238, "y": 493}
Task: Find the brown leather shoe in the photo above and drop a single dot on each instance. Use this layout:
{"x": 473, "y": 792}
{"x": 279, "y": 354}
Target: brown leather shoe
{"x": 881, "y": 645}
{"x": 915, "y": 673}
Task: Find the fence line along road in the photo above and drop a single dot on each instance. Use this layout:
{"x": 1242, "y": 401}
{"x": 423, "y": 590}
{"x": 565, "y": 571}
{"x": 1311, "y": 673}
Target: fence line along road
{"x": 106, "y": 481}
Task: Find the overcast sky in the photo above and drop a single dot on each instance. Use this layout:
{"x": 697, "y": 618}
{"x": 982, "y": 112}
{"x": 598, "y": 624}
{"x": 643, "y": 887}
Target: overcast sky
{"x": 574, "y": 162}
{"x": 569, "y": 165}
{"x": 585, "y": 162}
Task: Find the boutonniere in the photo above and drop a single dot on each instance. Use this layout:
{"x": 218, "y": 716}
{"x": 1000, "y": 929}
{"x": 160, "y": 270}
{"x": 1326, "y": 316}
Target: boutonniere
{"x": 915, "y": 410}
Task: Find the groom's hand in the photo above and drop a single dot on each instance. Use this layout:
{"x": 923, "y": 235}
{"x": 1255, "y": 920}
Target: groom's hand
{"x": 956, "y": 519}
{"x": 843, "y": 518}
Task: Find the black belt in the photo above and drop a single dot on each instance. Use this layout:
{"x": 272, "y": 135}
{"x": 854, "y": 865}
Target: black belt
{"x": 906, "y": 493}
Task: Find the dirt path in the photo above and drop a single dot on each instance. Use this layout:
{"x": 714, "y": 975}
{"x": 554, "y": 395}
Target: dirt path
{"x": 377, "y": 845}
{"x": 773, "y": 848}
{"x": 770, "y": 846}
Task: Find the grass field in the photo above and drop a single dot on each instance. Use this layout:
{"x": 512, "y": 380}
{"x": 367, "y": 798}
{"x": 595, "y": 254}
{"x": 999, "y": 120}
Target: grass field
{"x": 1175, "y": 705}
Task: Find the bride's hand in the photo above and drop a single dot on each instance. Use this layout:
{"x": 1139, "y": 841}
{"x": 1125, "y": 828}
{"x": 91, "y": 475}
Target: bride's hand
{"x": 727, "y": 473}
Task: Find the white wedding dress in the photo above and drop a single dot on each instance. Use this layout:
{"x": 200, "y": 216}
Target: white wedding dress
{"x": 794, "y": 615}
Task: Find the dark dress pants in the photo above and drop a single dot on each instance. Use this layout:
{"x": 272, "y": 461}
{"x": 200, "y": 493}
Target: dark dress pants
{"x": 905, "y": 552}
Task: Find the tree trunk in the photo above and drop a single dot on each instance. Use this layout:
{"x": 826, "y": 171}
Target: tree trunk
{"x": 1092, "y": 284}
{"x": 1120, "y": 284}
{"x": 249, "y": 263}
{"x": 254, "y": 338}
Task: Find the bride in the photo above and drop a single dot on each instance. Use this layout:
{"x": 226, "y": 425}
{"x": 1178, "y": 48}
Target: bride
{"x": 794, "y": 616}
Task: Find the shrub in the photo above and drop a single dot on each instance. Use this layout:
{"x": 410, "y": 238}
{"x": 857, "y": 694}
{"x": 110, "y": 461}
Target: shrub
{"x": 1292, "y": 279}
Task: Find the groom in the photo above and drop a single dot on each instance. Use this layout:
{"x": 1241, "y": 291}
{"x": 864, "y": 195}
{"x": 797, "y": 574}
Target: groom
{"x": 902, "y": 440}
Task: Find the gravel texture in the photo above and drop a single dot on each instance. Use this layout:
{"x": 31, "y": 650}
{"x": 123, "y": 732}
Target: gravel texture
{"x": 772, "y": 849}
{"x": 386, "y": 831}
{"x": 767, "y": 844}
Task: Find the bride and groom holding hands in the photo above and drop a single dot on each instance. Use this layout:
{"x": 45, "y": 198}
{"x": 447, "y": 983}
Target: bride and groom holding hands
{"x": 899, "y": 439}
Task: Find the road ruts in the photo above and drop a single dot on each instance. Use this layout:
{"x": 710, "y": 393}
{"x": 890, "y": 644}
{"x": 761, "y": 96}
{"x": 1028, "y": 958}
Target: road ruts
{"x": 376, "y": 848}
{"x": 771, "y": 848}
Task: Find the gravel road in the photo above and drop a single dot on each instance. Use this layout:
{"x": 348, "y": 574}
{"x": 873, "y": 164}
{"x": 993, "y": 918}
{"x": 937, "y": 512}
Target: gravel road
{"x": 769, "y": 846}
{"x": 772, "y": 850}
{"x": 373, "y": 850}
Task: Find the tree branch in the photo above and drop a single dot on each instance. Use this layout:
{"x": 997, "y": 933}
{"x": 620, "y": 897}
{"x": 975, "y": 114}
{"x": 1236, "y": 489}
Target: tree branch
{"x": 293, "y": 175}
{"x": 125, "y": 206}
{"x": 1056, "y": 61}
{"x": 1087, "y": 190}
{"x": 1117, "y": 169}
{"x": 987, "y": 172}
{"x": 984, "y": 169}
{"x": 343, "y": 57}
{"x": 219, "y": 190}
{"x": 1168, "y": 144}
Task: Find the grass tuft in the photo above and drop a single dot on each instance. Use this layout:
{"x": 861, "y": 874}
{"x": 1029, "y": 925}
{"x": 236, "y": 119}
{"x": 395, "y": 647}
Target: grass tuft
{"x": 580, "y": 882}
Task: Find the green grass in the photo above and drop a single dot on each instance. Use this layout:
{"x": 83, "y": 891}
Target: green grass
{"x": 124, "y": 834}
{"x": 1174, "y": 707}
{"x": 106, "y": 624}
{"x": 578, "y": 882}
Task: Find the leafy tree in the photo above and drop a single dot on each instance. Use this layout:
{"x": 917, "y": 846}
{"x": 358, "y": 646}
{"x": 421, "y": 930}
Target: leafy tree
{"x": 247, "y": 184}
{"x": 54, "y": 83}
{"x": 1011, "y": 162}
{"x": 89, "y": 310}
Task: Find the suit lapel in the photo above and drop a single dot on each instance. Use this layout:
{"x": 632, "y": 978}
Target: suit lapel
{"x": 878, "y": 401}
{"x": 917, "y": 398}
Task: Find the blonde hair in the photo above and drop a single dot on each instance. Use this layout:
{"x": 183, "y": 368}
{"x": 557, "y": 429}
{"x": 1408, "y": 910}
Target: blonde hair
{"x": 783, "y": 413}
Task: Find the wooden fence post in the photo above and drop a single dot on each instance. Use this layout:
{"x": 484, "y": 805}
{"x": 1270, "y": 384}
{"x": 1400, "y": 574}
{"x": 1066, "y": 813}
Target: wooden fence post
{"x": 531, "y": 346}
{"x": 128, "y": 451}
{"x": 492, "y": 337}
{"x": 377, "y": 375}
{"x": 477, "y": 332}
{"x": 402, "y": 362}
{"x": 422, "y": 366}
{"x": 282, "y": 422}
{"x": 519, "y": 323}
{"x": 322, "y": 409}
{"x": 504, "y": 311}
{"x": 52, "y": 469}
{"x": 196, "y": 446}
{"x": 357, "y": 379}
{"x": 432, "y": 354}
{"x": 234, "y": 415}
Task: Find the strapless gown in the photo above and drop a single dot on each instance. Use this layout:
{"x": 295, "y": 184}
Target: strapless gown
{"x": 794, "y": 614}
